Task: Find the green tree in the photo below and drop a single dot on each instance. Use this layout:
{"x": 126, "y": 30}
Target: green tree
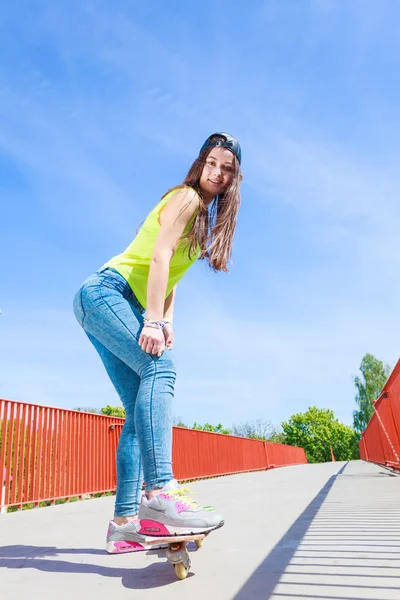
{"x": 316, "y": 431}
{"x": 214, "y": 428}
{"x": 374, "y": 375}
{"x": 113, "y": 411}
{"x": 278, "y": 437}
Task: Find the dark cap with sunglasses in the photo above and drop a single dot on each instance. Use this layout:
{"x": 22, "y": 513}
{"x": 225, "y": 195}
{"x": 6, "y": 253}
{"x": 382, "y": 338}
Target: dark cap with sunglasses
{"x": 226, "y": 141}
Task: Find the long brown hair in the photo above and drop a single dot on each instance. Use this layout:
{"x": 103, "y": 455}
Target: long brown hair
{"x": 213, "y": 229}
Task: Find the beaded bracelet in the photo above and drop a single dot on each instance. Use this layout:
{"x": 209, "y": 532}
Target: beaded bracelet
{"x": 155, "y": 324}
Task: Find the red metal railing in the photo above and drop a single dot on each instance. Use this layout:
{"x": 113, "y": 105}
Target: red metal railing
{"x": 50, "y": 453}
{"x": 198, "y": 454}
{"x": 380, "y": 442}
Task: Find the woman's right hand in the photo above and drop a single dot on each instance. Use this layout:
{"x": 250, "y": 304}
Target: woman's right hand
{"x": 152, "y": 340}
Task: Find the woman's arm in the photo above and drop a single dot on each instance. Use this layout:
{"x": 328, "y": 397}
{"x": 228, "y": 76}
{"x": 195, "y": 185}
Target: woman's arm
{"x": 169, "y": 305}
{"x": 169, "y": 316}
{"x": 174, "y": 218}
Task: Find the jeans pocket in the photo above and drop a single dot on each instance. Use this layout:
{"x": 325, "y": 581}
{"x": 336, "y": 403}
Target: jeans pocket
{"x": 113, "y": 283}
{"x": 78, "y": 308}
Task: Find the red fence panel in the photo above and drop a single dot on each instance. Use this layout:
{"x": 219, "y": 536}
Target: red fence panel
{"x": 363, "y": 451}
{"x": 50, "y": 453}
{"x": 380, "y": 441}
{"x": 373, "y": 439}
{"x": 45, "y": 454}
{"x": 393, "y": 394}
{"x": 280, "y": 455}
{"x": 199, "y": 454}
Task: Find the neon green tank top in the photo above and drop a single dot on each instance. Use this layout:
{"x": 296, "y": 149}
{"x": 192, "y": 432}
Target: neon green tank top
{"x": 134, "y": 263}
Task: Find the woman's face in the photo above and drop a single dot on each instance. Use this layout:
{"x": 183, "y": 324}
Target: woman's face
{"x": 217, "y": 172}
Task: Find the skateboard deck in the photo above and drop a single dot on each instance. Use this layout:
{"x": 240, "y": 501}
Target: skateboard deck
{"x": 176, "y": 550}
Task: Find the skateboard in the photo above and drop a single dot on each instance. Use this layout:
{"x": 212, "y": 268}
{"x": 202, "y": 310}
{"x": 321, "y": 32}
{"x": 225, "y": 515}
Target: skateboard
{"x": 176, "y": 550}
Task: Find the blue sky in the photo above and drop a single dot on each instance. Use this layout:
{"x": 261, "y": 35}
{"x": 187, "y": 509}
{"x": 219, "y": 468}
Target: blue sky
{"x": 103, "y": 108}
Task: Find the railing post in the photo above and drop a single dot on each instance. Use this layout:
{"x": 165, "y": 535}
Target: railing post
{"x": 3, "y": 508}
{"x": 365, "y": 448}
{"x": 266, "y": 455}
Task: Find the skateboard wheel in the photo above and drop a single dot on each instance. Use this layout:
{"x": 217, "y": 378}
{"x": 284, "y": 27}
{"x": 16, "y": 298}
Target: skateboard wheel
{"x": 199, "y": 543}
{"x": 180, "y": 570}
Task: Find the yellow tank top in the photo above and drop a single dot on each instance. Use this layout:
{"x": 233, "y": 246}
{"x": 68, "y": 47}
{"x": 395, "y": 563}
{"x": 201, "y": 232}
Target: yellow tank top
{"x": 134, "y": 263}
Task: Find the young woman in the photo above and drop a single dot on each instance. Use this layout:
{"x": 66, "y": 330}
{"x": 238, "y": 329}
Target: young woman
{"x": 194, "y": 220}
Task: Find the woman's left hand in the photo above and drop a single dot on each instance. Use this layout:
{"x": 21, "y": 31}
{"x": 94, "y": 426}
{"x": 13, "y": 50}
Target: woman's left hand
{"x": 169, "y": 336}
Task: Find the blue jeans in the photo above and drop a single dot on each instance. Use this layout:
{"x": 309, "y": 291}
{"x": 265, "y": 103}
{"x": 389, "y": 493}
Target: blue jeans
{"x": 112, "y": 318}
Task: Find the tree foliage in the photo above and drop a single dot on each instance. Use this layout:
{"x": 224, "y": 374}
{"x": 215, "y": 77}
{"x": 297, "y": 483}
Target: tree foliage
{"x": 373, "y": 377}
{"x": 113, "y": 411}
{"x": 316, "y": 430}
{"x": 258, "y": 429}
{"x": 110, "y": 411}
{"x": 214, "y": 428}
{"x": 277, "y": 438}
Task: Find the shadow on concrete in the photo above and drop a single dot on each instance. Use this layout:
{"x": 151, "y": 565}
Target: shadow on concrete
{"x": 152, "y": 576}
{"x": 25, "y": 552}
{"x": 266, "y": 577}
{"x": 34, "y": 557}
{"x": 339, "y": 533}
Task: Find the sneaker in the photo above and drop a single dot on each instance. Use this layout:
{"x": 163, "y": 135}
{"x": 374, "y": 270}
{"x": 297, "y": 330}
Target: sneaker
{"x": 125, "y": 538}
{"x": 173, "y": 512}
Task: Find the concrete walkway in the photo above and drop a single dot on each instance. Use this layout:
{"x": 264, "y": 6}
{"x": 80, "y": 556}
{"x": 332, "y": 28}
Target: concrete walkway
{"x": 309, "y": 531}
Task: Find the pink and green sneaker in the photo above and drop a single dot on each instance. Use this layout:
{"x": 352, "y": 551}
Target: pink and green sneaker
{"x": 125, "y": 538}
{"x": 173, "y": 512}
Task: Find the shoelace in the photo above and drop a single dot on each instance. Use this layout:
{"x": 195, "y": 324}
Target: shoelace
{"x": 182, "y": 494}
